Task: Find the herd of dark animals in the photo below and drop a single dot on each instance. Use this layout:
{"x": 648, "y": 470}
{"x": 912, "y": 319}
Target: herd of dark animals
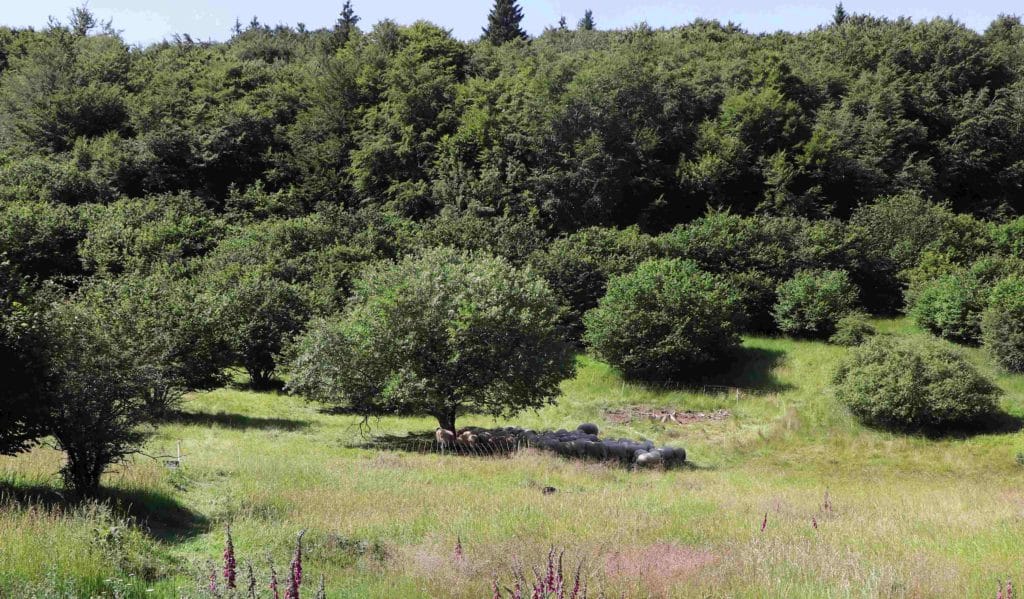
{"x": 581, "y": 443}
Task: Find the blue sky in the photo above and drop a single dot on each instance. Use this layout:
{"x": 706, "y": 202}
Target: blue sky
{"x": 146, "y": 21}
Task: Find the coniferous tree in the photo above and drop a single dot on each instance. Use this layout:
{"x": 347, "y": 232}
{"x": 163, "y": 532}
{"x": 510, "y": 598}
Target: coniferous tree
{"x": 839, "y": 17}
{"x": 587, "y": 22}
{"x": 562, "y": 24}
{"x": 346, "y": 23}
{"x": 503, "y": 22}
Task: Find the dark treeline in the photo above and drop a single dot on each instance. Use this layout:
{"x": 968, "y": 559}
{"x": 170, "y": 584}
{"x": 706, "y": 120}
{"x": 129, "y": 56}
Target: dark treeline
{"x": 173, "y": 211}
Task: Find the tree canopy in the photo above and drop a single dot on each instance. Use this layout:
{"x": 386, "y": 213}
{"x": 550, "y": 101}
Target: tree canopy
{"x": 442, "y": 333}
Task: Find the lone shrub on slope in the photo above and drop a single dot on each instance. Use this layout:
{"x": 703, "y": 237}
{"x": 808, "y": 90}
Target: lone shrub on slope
{"x": 442, "y": 333}
{"x": 913, "y": 384}
{"x": 666, "y": 320}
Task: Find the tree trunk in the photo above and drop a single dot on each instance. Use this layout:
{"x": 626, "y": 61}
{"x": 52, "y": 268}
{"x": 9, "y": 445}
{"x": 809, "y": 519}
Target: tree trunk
{"x": 82, "y": 472}
{"x": 446, "y": 420}
{"x": 260, "y": 378}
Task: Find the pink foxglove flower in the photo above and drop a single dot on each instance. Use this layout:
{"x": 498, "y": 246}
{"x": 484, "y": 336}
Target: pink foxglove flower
{"x": 229, "y": 562}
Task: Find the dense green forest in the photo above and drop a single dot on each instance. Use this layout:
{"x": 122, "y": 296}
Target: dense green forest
{"x": 172, "y": 211}
{"x": 572, "y": 129}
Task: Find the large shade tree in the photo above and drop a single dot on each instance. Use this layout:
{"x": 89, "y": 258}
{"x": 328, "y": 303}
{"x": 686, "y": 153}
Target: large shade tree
{"x": 442, "y": 333}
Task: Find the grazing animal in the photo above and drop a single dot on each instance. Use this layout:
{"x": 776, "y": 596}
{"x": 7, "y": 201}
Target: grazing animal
{"x": 444, "y": 437}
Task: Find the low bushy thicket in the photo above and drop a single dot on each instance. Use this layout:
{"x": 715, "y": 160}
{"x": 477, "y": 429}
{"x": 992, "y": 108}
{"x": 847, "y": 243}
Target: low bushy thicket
{"x": 758, "y": 253}
{"x": 948, "y": 300}
{"x": 913, "y": 385}
{"x": 853, "y": 329}
{"x": 893, "y": 233}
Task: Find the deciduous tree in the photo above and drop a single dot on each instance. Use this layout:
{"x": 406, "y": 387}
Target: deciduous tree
{"x": 444, "y": 333}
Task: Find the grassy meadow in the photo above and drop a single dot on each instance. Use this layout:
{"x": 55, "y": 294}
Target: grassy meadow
{"x": 909, "y": 516}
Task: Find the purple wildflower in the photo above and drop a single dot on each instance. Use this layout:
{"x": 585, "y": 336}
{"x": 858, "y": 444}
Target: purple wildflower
{"x": 764, "y": 523}
{"x": 538, "y": 590}
{"x": 292, "y": 592}
{"x": 273, "y": 583}
{"x": 576, "y": 583}
{"x": 229, "y": 562}
{"x": 295, "y": 571}
{"x": 1004, "y": 594}
{"x": 560, "y": 579}
{"x": 549, "y": 580}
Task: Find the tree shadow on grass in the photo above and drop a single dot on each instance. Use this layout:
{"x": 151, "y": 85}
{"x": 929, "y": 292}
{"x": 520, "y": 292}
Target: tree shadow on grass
{"x": 999, "y": 423}
{"x": 271, "y": 386}
{"x": 425, "y": 442}
{"x": 236, "y": 421}
{"x": 751, "y": 368}
{"x": 157, "y": 514}
{"x": 748, "y": 369}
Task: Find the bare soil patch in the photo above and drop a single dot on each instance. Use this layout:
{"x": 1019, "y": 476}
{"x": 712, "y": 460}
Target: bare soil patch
{"x": 663, "y": 415}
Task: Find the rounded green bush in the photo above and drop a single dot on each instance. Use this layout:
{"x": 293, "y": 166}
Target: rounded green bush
{"x": 665, "y": 320}
{"x": 853, "y": 329}
{"x": 950, "y": 307}
{"x": 577, "y": 267}
{"x": 913, "y": 384}
{"x": 813, "y": 301}
{"x": 1002, "y": 323}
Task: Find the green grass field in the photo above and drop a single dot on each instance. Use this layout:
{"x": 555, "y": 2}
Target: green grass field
{"x": 911, "y": 517}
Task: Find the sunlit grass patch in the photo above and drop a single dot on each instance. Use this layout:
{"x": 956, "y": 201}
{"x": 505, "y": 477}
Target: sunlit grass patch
{"x": 910, "y": 515}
